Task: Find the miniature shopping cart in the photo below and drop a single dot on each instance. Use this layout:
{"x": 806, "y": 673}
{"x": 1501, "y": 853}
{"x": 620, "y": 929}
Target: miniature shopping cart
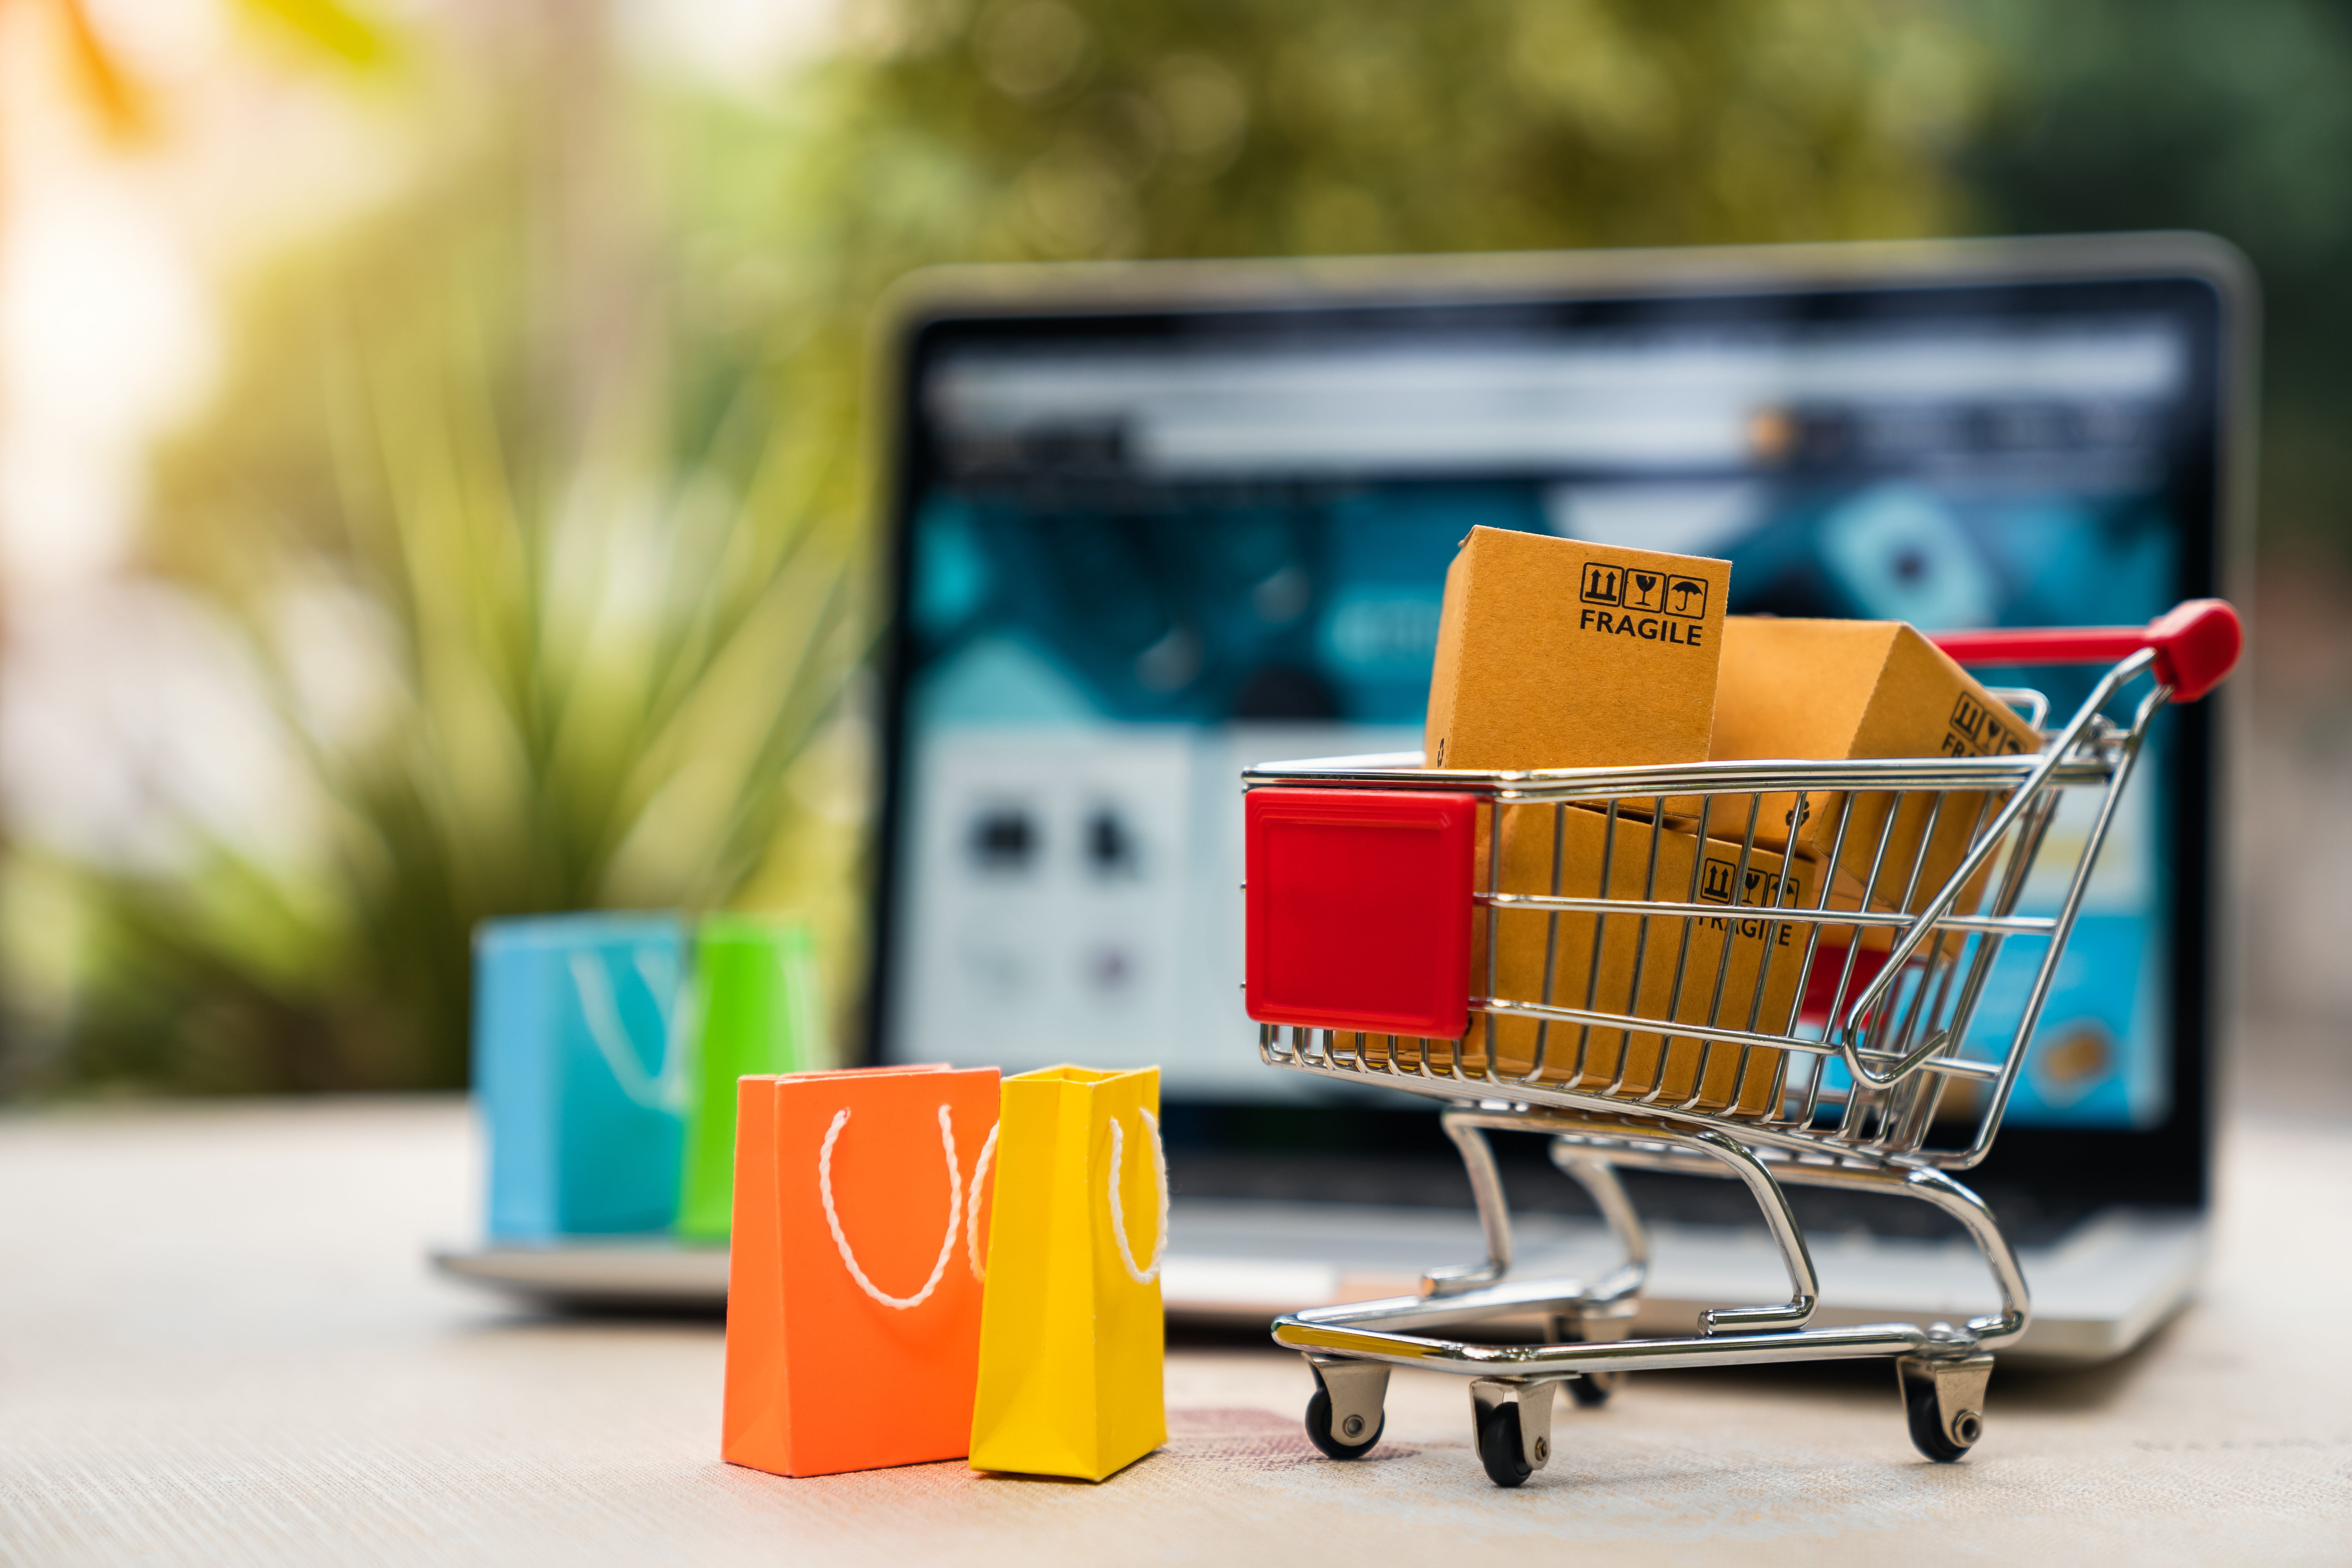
{"x": 1621, "y": 961}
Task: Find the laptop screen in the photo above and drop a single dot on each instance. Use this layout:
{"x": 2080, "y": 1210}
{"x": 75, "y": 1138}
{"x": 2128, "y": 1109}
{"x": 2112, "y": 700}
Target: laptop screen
{"x": 1141, "y": 550}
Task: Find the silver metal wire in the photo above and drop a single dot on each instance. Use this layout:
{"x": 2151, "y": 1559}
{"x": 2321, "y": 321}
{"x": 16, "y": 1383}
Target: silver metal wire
{"x": 1816, "y": 1000}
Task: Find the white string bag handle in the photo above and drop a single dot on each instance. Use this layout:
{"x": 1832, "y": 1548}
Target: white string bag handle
{"x": 658, "y": 970}
{"x": 664, "y": 1090}
{"x": 971, "y": 1218}
{"x": 947, "y": 1242}
{"x": 1117, "y": 1215}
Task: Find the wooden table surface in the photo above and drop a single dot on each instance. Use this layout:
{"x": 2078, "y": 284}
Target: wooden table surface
{"x": 219, "y": 1343}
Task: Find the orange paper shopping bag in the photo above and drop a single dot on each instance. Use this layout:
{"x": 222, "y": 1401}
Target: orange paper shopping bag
{"x": 853, "y": 1288}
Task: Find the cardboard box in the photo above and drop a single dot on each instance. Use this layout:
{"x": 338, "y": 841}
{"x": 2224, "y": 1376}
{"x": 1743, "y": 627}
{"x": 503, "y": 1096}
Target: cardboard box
{"x": 1555, "y": 653}
{"x": 1837, "y": 690}
{"x": 1756, "y": 960}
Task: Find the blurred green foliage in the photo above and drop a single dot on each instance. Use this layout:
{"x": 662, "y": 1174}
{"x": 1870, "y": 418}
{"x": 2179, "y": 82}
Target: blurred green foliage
{"x": 574, "y": 433}
{"x": 2236, "y": 119}
{"x": 1058, "y": 130}
{"x": 535, "y": 643}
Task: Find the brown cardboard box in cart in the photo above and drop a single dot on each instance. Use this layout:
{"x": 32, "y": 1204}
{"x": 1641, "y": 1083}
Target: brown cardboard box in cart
{"x": 1839, "y": 690}
{"x": 1736, "y": 971}
{"x": 1555, "y": 653}
{"x": 1559, "y": 653}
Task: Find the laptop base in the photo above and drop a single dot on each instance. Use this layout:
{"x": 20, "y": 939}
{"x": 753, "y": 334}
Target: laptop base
{"x": 2098, "y": 1290}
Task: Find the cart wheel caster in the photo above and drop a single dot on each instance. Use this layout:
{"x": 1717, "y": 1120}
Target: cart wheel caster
{"x": 1943, "y": 1402}
{"x": 1514, "y": 1427}
{"x": 1499, "y": 1449}
{"x": 1592, "y": 1390}
{"x": 1318, "y": 1422}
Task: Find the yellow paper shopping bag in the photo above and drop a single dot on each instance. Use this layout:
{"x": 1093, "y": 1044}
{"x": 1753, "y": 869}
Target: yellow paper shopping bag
{"x": 1071, "y": 1338}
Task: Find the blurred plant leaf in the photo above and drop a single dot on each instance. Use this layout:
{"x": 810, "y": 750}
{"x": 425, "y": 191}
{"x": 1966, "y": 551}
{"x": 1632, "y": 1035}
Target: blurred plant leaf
{"x": 125, "y": 107}
{"x": 332, "y": 27}
{"x": 600, "y": 661}
{"x": 120, "y": 105}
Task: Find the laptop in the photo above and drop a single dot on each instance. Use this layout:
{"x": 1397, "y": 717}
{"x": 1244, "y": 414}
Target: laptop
{"x": 1152, "y": 524}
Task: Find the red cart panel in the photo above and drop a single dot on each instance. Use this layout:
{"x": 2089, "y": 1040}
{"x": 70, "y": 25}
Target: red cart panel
{"x": 1360, "y": 909}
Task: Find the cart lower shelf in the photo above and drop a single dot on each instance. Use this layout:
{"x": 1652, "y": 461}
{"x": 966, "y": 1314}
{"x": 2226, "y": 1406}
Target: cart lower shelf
{"x": 1941, "y": 1369}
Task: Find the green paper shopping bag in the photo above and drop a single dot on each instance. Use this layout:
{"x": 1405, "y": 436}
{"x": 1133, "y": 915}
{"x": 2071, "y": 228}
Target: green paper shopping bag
{"x": 1071, "y": 1336}
{"x": 754, "y": 1009}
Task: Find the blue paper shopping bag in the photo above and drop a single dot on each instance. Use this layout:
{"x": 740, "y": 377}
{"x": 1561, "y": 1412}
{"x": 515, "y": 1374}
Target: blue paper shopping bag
{"x": 580, "y": 1071}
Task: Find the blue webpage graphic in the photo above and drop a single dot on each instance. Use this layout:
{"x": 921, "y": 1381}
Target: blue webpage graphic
{"x": 1091, "y": 667}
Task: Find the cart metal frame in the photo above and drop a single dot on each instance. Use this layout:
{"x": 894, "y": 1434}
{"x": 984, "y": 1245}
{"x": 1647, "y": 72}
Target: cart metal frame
{"x": 1885, "y": 1091}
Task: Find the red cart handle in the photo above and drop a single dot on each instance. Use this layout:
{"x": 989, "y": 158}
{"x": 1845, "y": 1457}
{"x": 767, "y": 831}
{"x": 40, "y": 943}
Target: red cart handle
{"x": 2196, "y": 642}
